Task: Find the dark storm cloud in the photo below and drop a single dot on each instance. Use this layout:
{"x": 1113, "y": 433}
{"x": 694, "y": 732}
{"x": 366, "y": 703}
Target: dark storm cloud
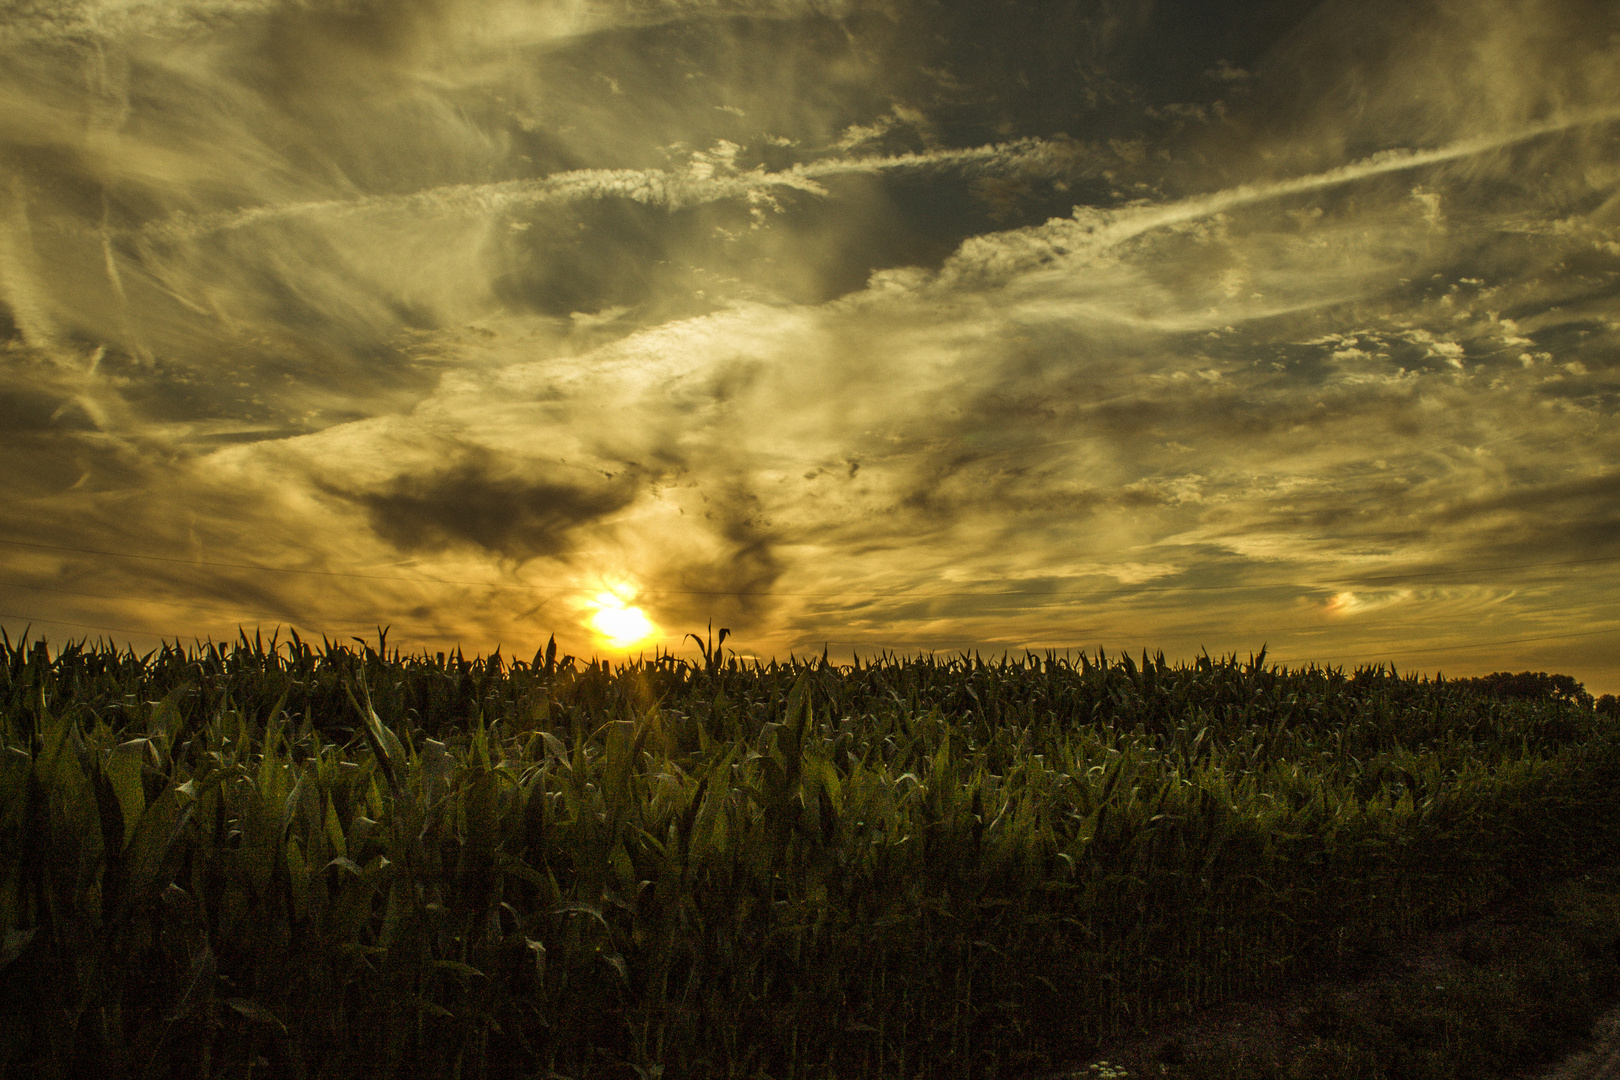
{"x": 471, "y": 503}
{"x": 735, "y": 581}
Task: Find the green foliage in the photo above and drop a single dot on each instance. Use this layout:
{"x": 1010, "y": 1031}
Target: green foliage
{"x": 1532, "y": 686}
{"x": 345, "y": 862}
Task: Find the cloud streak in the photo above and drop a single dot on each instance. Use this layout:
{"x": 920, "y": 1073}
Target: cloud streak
{"x": 711, "y": 176}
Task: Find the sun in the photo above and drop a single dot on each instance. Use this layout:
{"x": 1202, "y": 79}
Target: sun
{"x": 618, "y": 623}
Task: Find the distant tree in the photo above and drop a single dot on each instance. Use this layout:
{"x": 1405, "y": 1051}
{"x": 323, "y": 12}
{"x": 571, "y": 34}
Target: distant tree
{"x": 1531, "y": 686}
{"x": 1609, "y": 705}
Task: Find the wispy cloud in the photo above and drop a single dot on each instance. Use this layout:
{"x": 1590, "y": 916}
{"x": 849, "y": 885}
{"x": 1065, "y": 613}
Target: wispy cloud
{"x": 709, "y": 176}
{"x": 874, "y": 324}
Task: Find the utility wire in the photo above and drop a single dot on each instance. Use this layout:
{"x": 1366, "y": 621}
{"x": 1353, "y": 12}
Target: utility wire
{"x": 1421, "y": 651}
{"x": 261, "y": 566}
{"x": 1132, "y": 589}
{"x": 891, "y": 646}
{"x": 28, "y": 619}
{"x": 696, "y": 592}
{"x": 145, "y": 600}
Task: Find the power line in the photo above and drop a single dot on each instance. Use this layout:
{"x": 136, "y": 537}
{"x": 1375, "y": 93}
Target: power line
{"x": 1133, "y": 590}
{"x": 144, "y": 599}
{"x": 1418, "y": 649}
{"x": 1422, "y": 651}
{"x": 263, "y": 567}
{"x": 891, "y": 645}
{"x": 29, "y": 619}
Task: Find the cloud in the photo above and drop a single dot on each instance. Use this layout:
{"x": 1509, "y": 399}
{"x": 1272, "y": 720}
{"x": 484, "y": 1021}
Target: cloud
{"x": 708, "y": 176}
{"x": 516, "y": 517}
{"x": 889, "y": 322}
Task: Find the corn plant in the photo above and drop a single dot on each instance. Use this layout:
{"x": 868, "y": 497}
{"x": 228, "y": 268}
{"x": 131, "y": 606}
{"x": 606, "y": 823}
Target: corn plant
{"x": 345, "y": 862}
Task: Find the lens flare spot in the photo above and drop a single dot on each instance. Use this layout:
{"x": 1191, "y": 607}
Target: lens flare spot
{"x": 619, "y": 624}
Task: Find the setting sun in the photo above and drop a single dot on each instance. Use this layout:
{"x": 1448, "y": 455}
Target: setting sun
{"x": 619, "y": 624}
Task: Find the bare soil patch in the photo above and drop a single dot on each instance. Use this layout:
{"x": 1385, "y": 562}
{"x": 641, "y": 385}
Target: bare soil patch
{"x": 1528, "y": 989}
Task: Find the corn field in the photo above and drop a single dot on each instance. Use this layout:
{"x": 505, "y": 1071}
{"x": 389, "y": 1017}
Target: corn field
{"x": 277, "y": 860}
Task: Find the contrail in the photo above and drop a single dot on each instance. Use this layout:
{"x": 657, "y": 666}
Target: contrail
{"x": 701, "y": 181}
{"x": 1106, "y": 228}
{"x": 704, "y": 180}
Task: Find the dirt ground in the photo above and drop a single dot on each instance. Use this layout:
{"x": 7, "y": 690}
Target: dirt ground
{"x": 1273, "y": 1027}
{"x": 1600, "y": 1060}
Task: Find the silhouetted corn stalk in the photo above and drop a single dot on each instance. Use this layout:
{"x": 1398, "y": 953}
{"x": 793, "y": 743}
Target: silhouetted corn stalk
{"x": 350, "y": 863}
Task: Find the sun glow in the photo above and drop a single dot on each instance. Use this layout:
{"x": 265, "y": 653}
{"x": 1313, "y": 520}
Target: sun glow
{"x": 619, "y": 624}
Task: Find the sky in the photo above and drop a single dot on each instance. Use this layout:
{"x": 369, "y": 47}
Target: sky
{"x": 918, "y": 326}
